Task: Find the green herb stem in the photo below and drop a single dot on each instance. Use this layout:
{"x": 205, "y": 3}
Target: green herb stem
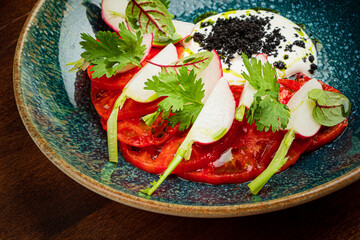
{"x": 180, "y": 153}
{"x": 151, "y": 118}
{"x": 278, "y": 161}
{"x": 112, "y": 128}
{"x": 240, "y": 112}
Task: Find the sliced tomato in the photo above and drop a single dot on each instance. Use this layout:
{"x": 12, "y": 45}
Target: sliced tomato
{"x": 155, "y": 159}
{"x": 251, "y": 154}
{"x": 136, "y": 133}
{"x": 119, "y": 81}
{"x": 297, "y": 148}
{"x": 104, "y": 100}
{"x": 291, "y": 84}
{"x": 152, "y": 159}
{"x": 237, "y": 90}
{"x": 287, "y": 89}
{"x": 302, "y": 79}
{"x": 326, "y": 135}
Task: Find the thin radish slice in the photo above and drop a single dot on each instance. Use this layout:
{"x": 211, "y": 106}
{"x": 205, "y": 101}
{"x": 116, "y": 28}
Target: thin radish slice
{"x": 135, "y": 87}
{"x": 263, "y": 57}
{"x": 113, "y": 13}
{"x": 210, "y": 76}
{"x": 301, "y": 108}
{"x": 183, "y": 28}
{"x": 217, "y": 115}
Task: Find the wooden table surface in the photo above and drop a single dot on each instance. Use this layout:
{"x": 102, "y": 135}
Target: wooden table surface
{"x": 38, "y": 201}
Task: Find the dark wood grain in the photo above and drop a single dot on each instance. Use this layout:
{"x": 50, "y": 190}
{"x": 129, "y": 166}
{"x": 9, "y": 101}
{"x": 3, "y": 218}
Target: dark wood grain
{"x": 38, "y": 201}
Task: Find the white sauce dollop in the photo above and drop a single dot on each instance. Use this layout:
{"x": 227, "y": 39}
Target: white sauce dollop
{"x": 294, "y": 61}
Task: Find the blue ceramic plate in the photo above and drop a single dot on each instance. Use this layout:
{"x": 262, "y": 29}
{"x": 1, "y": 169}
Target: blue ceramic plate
{"x": 56, "y": 109}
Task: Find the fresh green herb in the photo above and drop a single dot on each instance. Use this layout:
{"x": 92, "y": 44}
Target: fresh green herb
{"x": 78, "y": 65}
{"x": 265, "y": 9}
{"x": 184, "y": 94}
{"x": 110, "y": 53}
{"x": 152, "y": 16}
{"x": 331, "y": 108}
{"x": 197, "y": 62}
{"x": 266, "y": 109}
{"x": 166, "y": 3}
{"x": 203, "y": 16}
{"x": 149, "y": 119}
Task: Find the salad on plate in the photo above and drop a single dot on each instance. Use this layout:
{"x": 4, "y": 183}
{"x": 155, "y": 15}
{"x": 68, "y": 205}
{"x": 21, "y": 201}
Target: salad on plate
{"x": 228, "y": 99}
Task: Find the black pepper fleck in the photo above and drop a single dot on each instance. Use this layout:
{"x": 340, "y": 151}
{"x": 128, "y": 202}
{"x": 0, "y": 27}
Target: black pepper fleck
{"x": 311, "y": 58}
{"x": 313, "y": 68}
{"x": 205, "y": 24}
{"x": 299, "y": 43}
{"x": 288, "y": 48}
{"x": 235, "y": 36}
{"x": 280, "y": 65}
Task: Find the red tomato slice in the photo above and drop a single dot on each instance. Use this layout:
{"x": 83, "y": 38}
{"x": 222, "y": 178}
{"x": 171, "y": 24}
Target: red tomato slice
{"x": 152, "y": 159}
{"x": 237, "y": 90}
{"x": 119, "y": 81}
{"x": 251, "y": 154}
{"x": 155, "y": 159}
{"x": 291, "y": 84}
{"x": 287, "y": 89}
{"x": 104, "y": 100}
{"x": 326, "y": 135}
{"x": 136, "y": 133}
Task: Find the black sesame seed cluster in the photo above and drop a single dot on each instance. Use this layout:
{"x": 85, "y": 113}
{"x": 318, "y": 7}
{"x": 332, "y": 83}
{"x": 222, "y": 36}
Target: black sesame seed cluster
{"x": 247, "y": 34}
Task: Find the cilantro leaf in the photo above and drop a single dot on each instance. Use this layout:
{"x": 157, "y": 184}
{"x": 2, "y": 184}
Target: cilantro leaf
{"x": 266, "y": 110}
{"x": 109, "y": 53}
{"x": 183, "y": 95}
{"x": 265, "y": 114}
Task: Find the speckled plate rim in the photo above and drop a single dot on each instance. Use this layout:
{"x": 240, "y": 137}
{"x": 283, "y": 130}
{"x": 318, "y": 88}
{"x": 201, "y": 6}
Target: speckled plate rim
{"x": 148, "y": 204}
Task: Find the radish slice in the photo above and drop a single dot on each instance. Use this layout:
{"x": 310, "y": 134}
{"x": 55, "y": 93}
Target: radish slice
{"x": 183, "y": 28}
{"x": 113, "y": 13}
{"x": 263, "y": 57}
{"x": 301, "y": 108}
{"x": 147, "y": 41}
{"x": 217, "y": 115}
{"x": 247, "y": 95}
{"x": 135, "y": 87}
{"x": 210, "y": 76}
